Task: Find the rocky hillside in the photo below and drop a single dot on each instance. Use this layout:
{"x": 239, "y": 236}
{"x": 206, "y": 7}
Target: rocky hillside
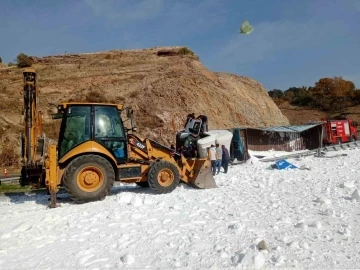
{"x": 162, "y": 85}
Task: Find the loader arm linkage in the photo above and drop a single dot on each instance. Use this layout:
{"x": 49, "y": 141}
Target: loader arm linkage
{"x": 195, "y": 172}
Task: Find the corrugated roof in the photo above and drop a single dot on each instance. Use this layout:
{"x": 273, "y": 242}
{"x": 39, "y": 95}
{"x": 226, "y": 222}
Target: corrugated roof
{"x": 290, "y": 128}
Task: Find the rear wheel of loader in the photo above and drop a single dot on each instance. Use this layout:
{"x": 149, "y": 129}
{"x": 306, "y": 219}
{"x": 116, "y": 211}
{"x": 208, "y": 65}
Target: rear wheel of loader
{"x": 163, "y": 177}
{"x": 88, "y": 178}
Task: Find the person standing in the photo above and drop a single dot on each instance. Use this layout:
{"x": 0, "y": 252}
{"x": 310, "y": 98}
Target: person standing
{"x": 225, "y": 158}
{"x": 218, "y": 161}
{"x": 213, "y": 157}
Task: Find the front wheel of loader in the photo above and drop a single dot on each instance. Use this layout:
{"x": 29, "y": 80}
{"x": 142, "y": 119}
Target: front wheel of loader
{"x": 88, "y": 178}
{"x": 163, "y": 177}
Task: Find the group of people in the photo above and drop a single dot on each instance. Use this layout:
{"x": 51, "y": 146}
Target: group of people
{"x": 219, "y": 157}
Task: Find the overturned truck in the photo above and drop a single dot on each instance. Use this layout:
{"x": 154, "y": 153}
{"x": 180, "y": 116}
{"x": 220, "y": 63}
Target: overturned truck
{"x": 194, "y": 140}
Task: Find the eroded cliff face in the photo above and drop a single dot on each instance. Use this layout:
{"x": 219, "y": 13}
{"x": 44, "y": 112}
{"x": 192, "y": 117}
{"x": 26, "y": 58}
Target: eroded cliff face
{"x": 162, "y": 85}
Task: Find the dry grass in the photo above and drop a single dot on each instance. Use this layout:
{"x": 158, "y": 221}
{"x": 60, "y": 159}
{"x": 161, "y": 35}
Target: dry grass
{"x": 92, "y": 96}
{"x": 134, "y": 94}
{"x": 145, "y": 118}
{"x": 8, "y": 154}
{"x": 52, "y": 129}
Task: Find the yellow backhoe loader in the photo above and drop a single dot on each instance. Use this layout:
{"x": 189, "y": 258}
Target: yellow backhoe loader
{"x": 94, "y": 149}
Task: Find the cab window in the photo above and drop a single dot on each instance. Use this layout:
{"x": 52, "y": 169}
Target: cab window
{"x": 109, "y": 131}
{"x": 75, "y": 128}
{"x": 108, "y": 123}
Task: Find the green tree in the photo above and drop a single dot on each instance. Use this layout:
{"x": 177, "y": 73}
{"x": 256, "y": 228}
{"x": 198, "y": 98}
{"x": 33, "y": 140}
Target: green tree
{"x": 23, "y": 60}
{"x": 356, "y": 97}
{"x": 276, "y": 93}
{"x": 0, "y": 60}
{"x": 300, "y": 96}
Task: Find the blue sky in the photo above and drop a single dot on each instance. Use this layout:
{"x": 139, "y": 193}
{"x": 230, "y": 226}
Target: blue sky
{"x": 294, "y": 42}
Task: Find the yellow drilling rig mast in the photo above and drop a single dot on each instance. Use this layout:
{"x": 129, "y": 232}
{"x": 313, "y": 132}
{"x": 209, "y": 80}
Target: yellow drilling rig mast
{"x": 33, "y": 137}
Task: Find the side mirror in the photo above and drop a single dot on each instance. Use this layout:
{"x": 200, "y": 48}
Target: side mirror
{"x": 57, "y": 116}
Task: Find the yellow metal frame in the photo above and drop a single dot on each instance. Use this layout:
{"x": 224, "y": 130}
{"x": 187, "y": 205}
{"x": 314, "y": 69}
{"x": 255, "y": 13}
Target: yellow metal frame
{"x": 36, "y": 130}
{"x": 64, "y": 105}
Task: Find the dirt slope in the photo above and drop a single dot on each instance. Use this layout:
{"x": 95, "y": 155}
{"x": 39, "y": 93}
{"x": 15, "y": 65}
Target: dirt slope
{"x": 302, "y": 115}
{"x": 161, "y": 84}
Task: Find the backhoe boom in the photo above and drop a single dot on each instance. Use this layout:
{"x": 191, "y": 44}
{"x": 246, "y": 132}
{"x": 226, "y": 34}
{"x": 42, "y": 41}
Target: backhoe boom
{"x": 33, "y": 139}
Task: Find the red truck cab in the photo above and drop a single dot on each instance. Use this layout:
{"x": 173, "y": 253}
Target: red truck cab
{"x": 340, "y": 130}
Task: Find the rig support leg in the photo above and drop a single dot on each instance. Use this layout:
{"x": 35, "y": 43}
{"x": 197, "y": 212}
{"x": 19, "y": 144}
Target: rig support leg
{"x": 53, "y": 203}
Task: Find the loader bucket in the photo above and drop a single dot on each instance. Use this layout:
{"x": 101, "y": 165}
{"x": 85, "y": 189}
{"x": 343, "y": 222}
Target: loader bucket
{"x": 199, "y": 173}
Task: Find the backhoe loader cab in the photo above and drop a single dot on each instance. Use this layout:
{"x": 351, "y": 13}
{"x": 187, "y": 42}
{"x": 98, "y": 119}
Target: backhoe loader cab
{"x": 98, "y": 123}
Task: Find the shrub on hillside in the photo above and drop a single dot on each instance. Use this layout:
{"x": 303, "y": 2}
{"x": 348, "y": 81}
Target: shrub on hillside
{"x": 185, "y": 51}
{"x": 11, "y": 64}
{"x": 8, "y": 155}
{"x": 95, "y": 96}
{"x": 23, "y": 60}
{"x": 92, "y": 96}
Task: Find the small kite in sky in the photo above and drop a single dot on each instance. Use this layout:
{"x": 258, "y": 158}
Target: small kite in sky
{"x": 246, "y": 28}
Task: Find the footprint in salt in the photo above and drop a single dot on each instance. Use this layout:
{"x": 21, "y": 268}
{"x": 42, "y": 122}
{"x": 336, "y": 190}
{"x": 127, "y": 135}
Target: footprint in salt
{"x": 173, "y": 232}
{"x": 166, "y": 221}
{"x": 6, "y": 236}
{"x": 136, "y": 201}
{"x": 316, "y": 225}
{"x": 85, "y": 258}
{"x": 22, "y": 227}
{"x": 100, "y": 260}
{"x": 124, "y": 198}
{"x": 127, "y": 259}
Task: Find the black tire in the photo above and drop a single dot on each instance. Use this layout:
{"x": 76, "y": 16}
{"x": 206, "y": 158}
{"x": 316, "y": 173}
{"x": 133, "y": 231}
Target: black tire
{"x": 142, "y": 184}
{"x": 169, "y": 169}
{"x": 72, "y": 184}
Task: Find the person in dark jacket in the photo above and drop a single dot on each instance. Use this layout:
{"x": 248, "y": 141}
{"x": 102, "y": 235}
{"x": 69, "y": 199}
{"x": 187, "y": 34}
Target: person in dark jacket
{"x": 190, "y": 146}
{"x": 225, "y": 158}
